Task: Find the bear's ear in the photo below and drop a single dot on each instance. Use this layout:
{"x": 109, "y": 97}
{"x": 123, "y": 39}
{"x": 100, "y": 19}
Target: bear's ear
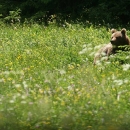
{"x": 123, "y": 31}
{"x": 113, "y": 31}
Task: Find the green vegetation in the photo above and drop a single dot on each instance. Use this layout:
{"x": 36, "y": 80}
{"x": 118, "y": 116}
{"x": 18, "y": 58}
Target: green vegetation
{"x": 47, "y": 77}
{"x": 48, "y": 80}
{"x": 94, "y": 11}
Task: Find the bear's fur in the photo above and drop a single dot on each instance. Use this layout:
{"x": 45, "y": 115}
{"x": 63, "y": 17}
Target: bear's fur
{"x": 118, "y": 38}
{"x": 104, "y": 51}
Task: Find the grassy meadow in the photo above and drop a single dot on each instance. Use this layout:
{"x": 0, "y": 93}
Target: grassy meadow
{"x": 48, "y": 80}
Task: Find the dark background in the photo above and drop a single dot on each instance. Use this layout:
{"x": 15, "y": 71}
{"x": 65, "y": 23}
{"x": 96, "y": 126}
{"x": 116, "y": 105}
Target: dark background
{"x": 91, "y": 11}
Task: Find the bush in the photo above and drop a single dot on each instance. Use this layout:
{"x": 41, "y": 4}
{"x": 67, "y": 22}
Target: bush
{"x": 95, "y": 11}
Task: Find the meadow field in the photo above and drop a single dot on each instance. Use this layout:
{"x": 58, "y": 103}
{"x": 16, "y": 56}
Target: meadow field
{"x": 48, "y": 80}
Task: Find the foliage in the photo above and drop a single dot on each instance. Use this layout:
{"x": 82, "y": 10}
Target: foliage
{"x": 110, "y": 11}
{"x": 48, "y": 80}
{"x": 94, "y": 11}
{"x": 14, "y": 16}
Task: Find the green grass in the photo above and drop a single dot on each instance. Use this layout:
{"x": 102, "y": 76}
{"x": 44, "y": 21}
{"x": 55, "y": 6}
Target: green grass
{"x": 48, "y": 80}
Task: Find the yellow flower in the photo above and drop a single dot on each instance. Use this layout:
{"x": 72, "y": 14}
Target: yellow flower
{"x": 103, "y": 75}
{"x": 88, "y": 95}
{"x": 19, "y": 57}
{"x": 104, "y": 103}
{"x": 41, "y": 91}
{"x": 70, "y": 67}
{"x": 9, "y": 79}
{"x": 78, "y": 65}
{"x": 10, "y": 63}
{"x": 68, "y": 94}
{"x": 46, "y": 123}
{"x": 63, "y": 103}
{"x": 89, "y": 126}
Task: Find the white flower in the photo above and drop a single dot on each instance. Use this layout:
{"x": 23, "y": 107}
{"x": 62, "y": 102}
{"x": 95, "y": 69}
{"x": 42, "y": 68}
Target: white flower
{"x": 126, "y": 81}
{"x": 83, "y": 51}
{"x": 104, "y": 58}
{"x": 108, "y": 62}
{"x": 97, "y": 47}
{"x": 103, "y": 54}
{"x": 6, "y": 72}
{"x": 17, "y": 85}
{"x": 11, "y": 101}
{"x": 23, "y": 96}
{"x": 62, "y": 72}
{"x": 25, "y": 84}
{"x": 84, "y": 46}
{"x": 18, "y": 94}
{"x": 70, "y": 88}
{"x": 127, "y": 57}
{"x": 113, "y": 76}
{"x": 118, "y": 82}
{"x": 92, "y": 54}
{"x": 23, "y": 102}
{"x": 126, "y": 67}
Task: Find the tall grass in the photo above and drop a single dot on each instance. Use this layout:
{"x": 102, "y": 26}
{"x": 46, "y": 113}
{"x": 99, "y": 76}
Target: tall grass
{"x": 48, "y": 81}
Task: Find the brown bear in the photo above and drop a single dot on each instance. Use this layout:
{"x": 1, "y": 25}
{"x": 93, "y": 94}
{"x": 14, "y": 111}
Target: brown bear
{"x": 104, "y": 51}
{"x": 118, "y": 38}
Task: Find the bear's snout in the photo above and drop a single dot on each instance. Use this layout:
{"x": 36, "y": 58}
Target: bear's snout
{"x": 111, "y": 41}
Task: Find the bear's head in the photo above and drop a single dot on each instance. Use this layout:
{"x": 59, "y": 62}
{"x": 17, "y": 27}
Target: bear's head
{"x": 119, "y": 38}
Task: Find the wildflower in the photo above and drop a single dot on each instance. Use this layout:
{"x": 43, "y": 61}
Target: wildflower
{"x": 104, "y": 103}
{"x": 90, "y": 112}
{"x": 9, "y": 79}
{"x": 46, "y": 122}
{"x": 126, "y": 67}
{"x": 89, "y": 126}
{"x": 86, "y": 59}
{"x": 25, "y": 84}
{"x": 70, "y": 67}
{"x": 118, "y": 82}
{"x": 83, "y": 51}
{"x": 88, "y": 95}
{"x": 108, "y": 62}
{"x": 104, "y": 58}
{"x": 23, "y": 96}
{"x": 10, "y": 63}
{"x": 41, "y": 91}
{"x": 62, "y": 72}
{"x": 23, "y": 102}
{"x": 17, "y": 85}
{"x": 127, "y": 57}
{"x": 118, "y": 97}
{"x": 103, "y": 75}
{"x": 11, "y": 101}
{"x": 30, "y": 103}
{"x": 19, "y": 57}
{"x": 70, "y": 88}
{"x": 18, "y": 94}
{"x": 97, "y": 47}
{"x": 78, "y": 65}
{"x": 63, "y": 103}
{"x": 113, "y": 76}
{"x": 126, "y": 80}
{"x": 84, "y": 46}
{"x": 6, "y": 72}
{"x": 2, "y": 80}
